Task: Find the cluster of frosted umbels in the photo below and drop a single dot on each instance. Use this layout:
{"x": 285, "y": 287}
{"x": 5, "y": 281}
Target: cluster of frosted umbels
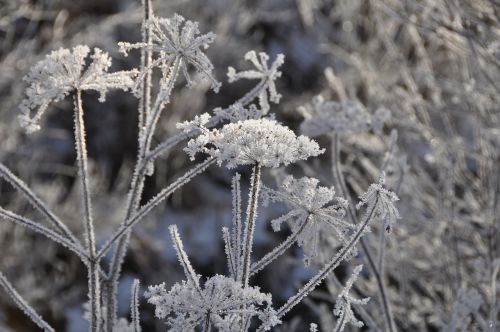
{"x": 255, "y": 141}
{"x": 312, "y": 204}
{"x": 177, "y": 39}
{"x": 221, "y": 299}
{"x": 323, "y": 117}
{"x": 64, "y": 71}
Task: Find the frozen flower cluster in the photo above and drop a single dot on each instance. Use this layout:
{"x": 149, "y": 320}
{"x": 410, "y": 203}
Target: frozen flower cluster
{"x": 267, "y": 75}
{"x": 255, "y": 141}
{"x": 177, "y": 40}
{"x": 64, "y": 71}
{"x": 323, "y": 117}
{"x": 344, "y": 301}
{"x": 314, "y": 212}
{"x": 382, "y": 200}
{"x": 220, "y": 302}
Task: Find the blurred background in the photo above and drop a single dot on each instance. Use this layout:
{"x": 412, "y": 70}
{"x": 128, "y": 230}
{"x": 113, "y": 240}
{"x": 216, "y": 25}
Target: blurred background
{"x": 435, "y": 64}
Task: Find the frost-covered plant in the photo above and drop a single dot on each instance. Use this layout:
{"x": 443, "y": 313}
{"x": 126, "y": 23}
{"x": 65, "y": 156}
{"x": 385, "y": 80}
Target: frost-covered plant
{"x": 314, "y": 213}
{"x": 261, "y": 142}
{"x": 266, "y": 89}
{"x": 176, "y": 42}
{"x": 344, "y": 301}
{"x": 248, "y": 137}
{"x": 64, "y": 71}
{"x": 382, "y": 200}
{"x": 323, "y": 117}
{"x": 219, "y": 301}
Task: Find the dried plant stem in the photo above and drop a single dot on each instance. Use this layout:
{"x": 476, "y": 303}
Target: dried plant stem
{"x": 280, "y": 249}
{"x": 150, "y": 116}
{"x": 134, "y": 306}
{"x": 160, "y": 197}
{"x": 341, "y": 184}
{"x": 56, "y": 237}
{"x": 23, "y": 305}
{"x": 339, "y": 327}
{"x": 184, "y": 260}
{"x": 329, "y": 267}
{"x": 37, "y": 203}
{"x": 81, "y": 149}
{"x": 250, "y": 223}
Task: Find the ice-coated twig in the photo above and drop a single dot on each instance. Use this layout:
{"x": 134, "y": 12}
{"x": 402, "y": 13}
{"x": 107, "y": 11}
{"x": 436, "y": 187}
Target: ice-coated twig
{"x": 228, "y": 248}
{"x": 344, "y": 302}
{"x": 23, "y": 305}
{"x": 160, "y": 197}
{"x": 280, "y": 249}
{"x": 81, "y": 149}
{"x": 341, "y": 184}
{"x": 134, "y": 306}
{"x": 18, "y": 184}
{"x": 251, "y": 217}
{"x": 330, "y": 266}
{"x": 236, "y": 193}
{"x": 189, "y": 272}
{"x": 56, "y": 237}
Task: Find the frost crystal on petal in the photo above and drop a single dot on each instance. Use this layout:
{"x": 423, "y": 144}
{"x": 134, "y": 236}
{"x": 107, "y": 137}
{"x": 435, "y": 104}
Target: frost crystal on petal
{"x": 249, "y": 142}
{"x": 220, "y": 300}
{"x": 322, "y": 117}
{"x": 64, "y": 71}
{"x": 177, "y": 38}
{"x": 343, "y": 304}
{"x": 263, "y": 72}
{"x": 314, "y": 211}
{"x": 383, "y": 200}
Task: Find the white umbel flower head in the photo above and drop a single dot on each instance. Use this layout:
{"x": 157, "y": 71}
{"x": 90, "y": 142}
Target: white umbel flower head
{"x": 323, "y": 117}
{"x": 177, "y": 38}
{"x": 263, "y": 72}
{"x": 344, "y": 301}
{"x": 255, "y": 141}
{"x": 383, "y": 201}
{"x": 186, "y": 306}
{"x": 315, "y": 212}
{"x": 64, "y": 71}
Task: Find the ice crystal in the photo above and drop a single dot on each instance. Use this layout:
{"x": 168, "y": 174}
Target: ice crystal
{"x": 322, "y": 117}
{"x": 314, "y": 212}
{"x": 176, "y": 38}
{"x": 344, "y": 301}
{"x": 186, "y": 306}
{"x": 250, "y": 142}
{"x": 382, "y": 200}
{"x": 64, "y": 71}
{"x": 265, "y": 73}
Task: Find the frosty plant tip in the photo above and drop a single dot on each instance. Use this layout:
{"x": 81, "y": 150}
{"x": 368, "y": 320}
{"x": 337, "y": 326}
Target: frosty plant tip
{"x": 64, "y": 71}
{"x": 177, "y": 42}
{"x": 266, "y": 89}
